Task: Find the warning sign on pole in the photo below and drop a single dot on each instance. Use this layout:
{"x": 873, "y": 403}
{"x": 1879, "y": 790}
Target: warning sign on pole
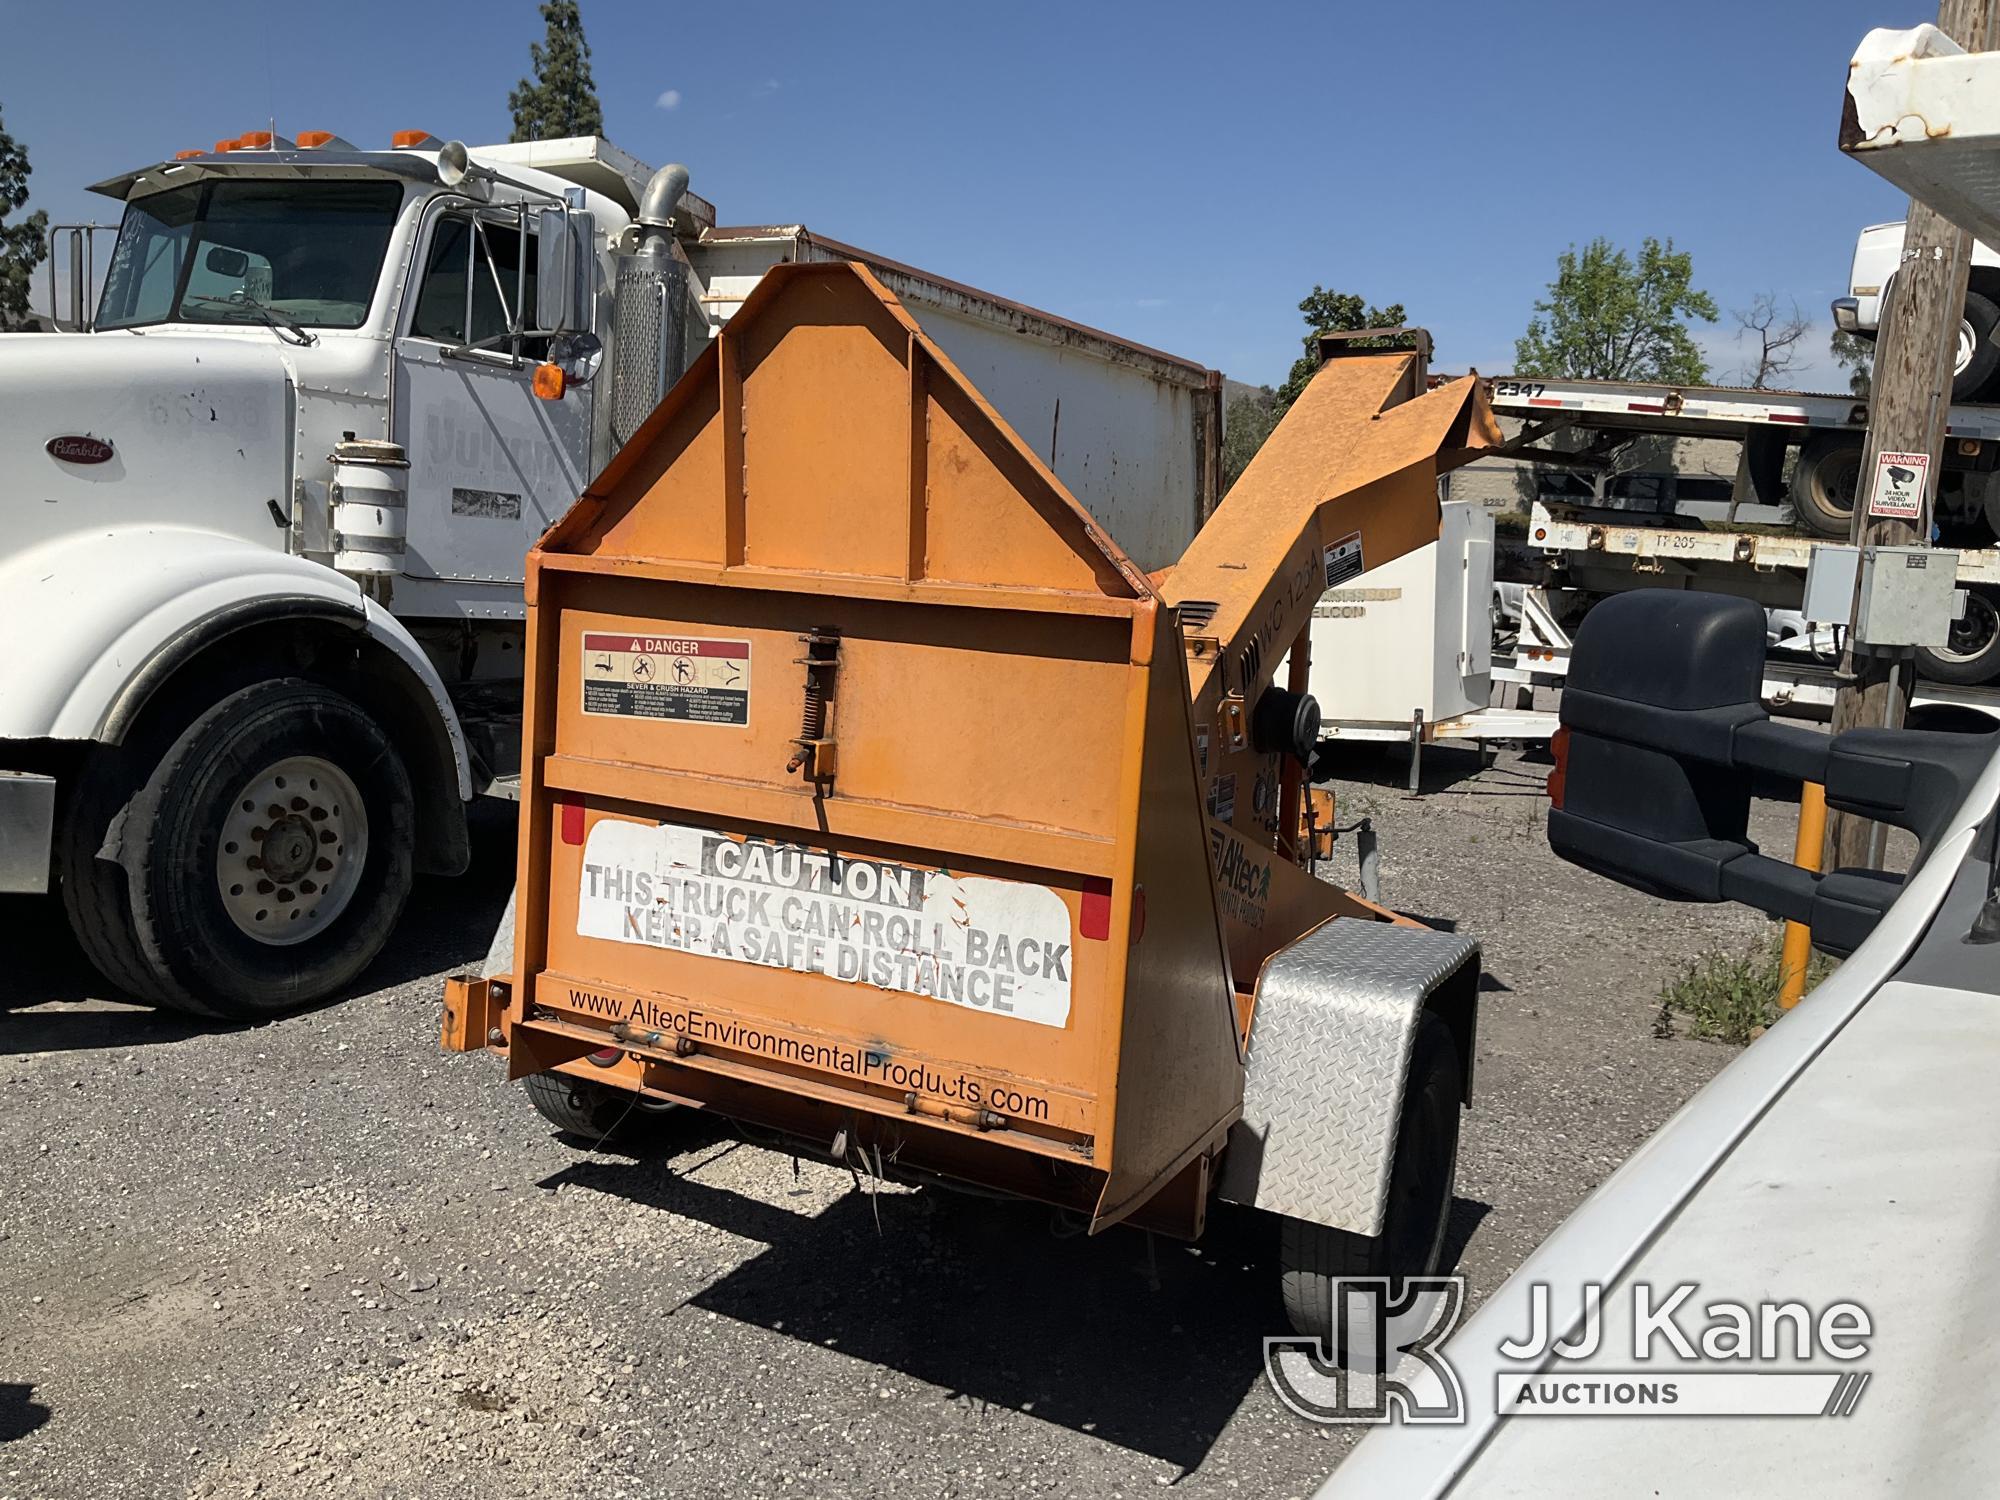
{"x": 1898, "y": 494}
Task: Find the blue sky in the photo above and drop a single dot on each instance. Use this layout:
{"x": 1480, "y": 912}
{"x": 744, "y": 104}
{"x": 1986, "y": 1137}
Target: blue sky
{"x": 1179, "y": 174}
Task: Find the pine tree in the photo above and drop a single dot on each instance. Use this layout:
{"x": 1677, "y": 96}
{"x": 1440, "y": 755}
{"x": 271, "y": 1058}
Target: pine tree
{"x": 22, "y": 245}
{"x": 560, "y": 100}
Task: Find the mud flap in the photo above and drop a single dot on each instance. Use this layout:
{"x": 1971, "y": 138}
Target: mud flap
{"x": 1336, "y": 1014}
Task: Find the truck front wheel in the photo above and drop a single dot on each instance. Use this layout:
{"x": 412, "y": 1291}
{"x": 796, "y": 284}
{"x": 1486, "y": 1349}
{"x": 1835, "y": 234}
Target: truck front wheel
{"x": 268, "y": 854}
{"x": 1313, "y": 1257}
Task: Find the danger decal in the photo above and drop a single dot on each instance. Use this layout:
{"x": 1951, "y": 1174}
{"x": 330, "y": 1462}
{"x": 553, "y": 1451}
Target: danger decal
{"x": 694, "y": 679}
{"x": 1000, "y": 946}
{"x": 1343, "y": 560}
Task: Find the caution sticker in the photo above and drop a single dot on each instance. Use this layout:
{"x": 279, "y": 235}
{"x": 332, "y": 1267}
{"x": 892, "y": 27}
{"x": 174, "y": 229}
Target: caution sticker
{"x": 1000, "y": 946}
{"x": 1899, "y": 486}
{"x": 692, "y": 678}
{"x": 1343, "y": 559}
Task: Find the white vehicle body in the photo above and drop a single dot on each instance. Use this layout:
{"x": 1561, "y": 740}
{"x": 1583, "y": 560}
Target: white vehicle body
{"x": 170, "y": 481}
{"x": 1848, "y": 1155}
{"x": 1878, "y": 251}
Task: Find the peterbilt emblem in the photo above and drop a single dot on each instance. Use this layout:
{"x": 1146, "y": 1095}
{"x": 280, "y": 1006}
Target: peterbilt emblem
{"x": 81, "y": 450}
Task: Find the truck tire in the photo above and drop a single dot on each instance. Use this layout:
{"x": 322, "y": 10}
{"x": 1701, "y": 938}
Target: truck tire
{"x": 1825, "y": 480}
{"x": 1971, "y": 654}
{"x": 269, "y": 851}
{"x": 95, "y": 894}
{"x": 579, "y": 1107}
{"x": 1977, "y": 357}
{"x": 1312, "y": 1257}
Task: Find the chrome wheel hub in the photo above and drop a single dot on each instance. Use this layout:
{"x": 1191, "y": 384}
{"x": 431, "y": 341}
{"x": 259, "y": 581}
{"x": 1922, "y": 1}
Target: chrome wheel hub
{"x": 291, "y": 851}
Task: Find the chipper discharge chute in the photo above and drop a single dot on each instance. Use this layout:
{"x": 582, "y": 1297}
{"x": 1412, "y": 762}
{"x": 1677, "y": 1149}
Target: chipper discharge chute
{"x": 873, "y": 798}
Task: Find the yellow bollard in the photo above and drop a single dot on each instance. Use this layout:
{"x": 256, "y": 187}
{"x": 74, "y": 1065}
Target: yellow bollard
{"x": 1805, "y": 854}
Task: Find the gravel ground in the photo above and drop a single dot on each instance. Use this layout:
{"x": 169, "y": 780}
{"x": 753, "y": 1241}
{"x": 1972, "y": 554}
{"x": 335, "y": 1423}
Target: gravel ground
{"x": 319, "y": 1257}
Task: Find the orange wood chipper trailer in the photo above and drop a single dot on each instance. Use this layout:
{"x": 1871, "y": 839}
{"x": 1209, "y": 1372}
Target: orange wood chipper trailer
{"x": 873, "y": 798}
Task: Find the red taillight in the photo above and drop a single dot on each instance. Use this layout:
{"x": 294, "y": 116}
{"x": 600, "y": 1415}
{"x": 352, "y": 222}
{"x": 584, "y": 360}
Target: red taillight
{"x": 604, "y": 1057}
{"x": 1093, "y": 919}
{"x": 1559, "y": 748}
{"x": 572, "y": 822}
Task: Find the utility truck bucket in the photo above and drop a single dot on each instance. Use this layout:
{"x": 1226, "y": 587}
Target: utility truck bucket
{"x": 872, "y": 797}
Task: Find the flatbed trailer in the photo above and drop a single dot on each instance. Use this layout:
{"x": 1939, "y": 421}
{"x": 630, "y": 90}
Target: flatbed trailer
{"x": 1600, "y": 556}
{"x": 1606, "y": 556}
{"x": 1828, "y": 430}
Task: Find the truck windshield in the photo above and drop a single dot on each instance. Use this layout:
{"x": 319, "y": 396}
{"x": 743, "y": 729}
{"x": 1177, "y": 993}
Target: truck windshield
{"x": 245, "y": 250}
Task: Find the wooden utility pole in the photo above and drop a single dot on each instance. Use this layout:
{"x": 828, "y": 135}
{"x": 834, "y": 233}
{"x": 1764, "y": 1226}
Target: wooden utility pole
{"x": 1909, "y": 398}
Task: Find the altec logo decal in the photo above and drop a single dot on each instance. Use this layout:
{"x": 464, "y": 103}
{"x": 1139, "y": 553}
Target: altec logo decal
{"x": 81, "y": 450}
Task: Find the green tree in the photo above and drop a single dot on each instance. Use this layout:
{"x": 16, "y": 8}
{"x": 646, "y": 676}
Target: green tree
{"x": 1608, "y": 319}
{"x": 22, "y": 245}
{"x": 1332, "y": 312}
{"x": 1246, "y": 422}
{"x": 1855, "y": 355}
{"x": 560, "y": 100}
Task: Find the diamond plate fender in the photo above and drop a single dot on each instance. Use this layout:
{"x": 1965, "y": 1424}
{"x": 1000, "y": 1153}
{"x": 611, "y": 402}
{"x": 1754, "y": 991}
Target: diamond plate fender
{"x": 1330, "y": 1040}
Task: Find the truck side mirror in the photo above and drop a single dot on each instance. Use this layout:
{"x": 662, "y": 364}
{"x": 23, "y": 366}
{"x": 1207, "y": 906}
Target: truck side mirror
{"x": 1664, "y": 732}
{"x": 555, "y": 273}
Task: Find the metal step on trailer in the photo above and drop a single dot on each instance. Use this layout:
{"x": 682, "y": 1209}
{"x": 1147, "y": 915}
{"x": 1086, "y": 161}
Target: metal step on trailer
{"x": 1481, "y": 724}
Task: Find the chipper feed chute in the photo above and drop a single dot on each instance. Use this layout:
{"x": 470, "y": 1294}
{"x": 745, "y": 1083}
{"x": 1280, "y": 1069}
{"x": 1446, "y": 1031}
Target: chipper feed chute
{"x": 865, "y": 797}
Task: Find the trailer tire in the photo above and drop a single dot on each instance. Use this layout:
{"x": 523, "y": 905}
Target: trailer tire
{"x": 334, "y": 862}
{"x": 1825, "y": 480}
{"x": 1972, "y": 653}
{"x": 1977, "y": 357}
{"x": 1312, "y": 1257}
{"x": 96, "y": 896}
{"x": 577, "y": 1106}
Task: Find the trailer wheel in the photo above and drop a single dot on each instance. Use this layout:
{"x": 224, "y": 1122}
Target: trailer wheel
{"x": 594, "y": 1111}
{"x": 269, "y": 852}
{"x": 1312, "y": 1257}
{"x": 1977, "y": 357}
{"x": 1825, "y": 480}
{"x": 1971, "y": 653}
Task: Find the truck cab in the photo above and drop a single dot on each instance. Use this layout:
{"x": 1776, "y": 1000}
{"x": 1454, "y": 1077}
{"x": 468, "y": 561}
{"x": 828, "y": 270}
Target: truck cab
{"x": 265, "y": 694}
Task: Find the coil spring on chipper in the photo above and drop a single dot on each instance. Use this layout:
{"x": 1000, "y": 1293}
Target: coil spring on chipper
{"x": 814, "y": 752}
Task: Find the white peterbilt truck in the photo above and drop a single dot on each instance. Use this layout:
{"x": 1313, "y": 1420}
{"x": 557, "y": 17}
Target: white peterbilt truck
{"x": 267, "y": 509}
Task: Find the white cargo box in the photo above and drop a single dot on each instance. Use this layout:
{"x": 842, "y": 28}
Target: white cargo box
{"x": 1414, "y": 636}
{"x": 1133, "y": 433}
